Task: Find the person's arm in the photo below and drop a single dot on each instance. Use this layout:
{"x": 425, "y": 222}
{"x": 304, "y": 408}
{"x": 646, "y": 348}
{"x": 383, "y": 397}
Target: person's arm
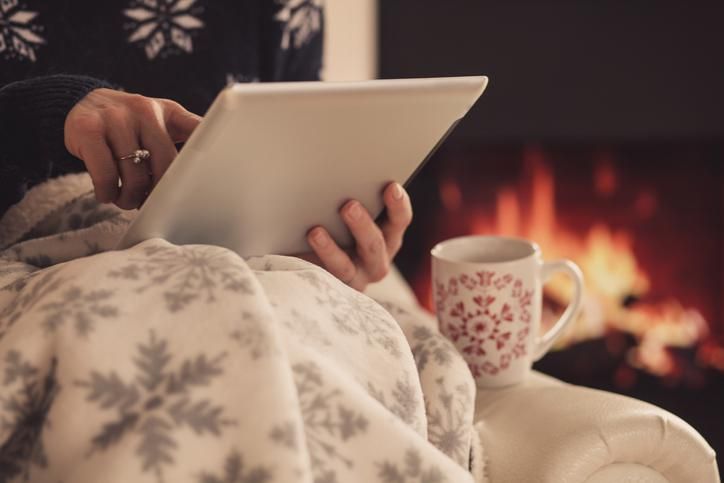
{"x": 32, "y": 117}
{"x": 292, "y": 37}
{"x": 56, "y": 125}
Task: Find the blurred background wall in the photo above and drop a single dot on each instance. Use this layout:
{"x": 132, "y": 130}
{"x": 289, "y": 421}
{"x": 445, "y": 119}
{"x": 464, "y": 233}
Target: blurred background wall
{"x": 351, "y": 40}
{"x": 612, "y": 69}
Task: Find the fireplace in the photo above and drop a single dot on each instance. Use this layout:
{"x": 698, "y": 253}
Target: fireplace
{"x": 644, "y": 221}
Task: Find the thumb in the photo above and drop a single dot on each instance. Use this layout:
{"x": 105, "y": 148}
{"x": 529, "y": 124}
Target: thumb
{"x": 180, "y": 123}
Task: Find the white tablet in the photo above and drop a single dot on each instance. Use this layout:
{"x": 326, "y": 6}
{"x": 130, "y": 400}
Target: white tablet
{"x": 270, "y": 161}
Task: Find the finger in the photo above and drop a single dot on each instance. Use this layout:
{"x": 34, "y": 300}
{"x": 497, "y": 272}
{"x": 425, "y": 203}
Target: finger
{"x": 370, "y": 242}
{"x": 179, "y": 122}
{"x": 101, "y": 166}
{"x": 135, "y": 180}
{"x": 85, "y": 138}
{"x": 156, "y": 139}
{"x": 334, "y": 259}
{"x": 399, "y": 217}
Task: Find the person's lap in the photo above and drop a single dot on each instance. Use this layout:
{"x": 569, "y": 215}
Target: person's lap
{"x": 136, "y": 360}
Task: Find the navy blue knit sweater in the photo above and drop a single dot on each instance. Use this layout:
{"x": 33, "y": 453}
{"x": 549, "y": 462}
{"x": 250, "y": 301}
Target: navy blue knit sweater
{"x": 53, "y": 52}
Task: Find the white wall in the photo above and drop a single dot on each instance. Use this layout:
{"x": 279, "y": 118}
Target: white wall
{"x": 350, "y": 40}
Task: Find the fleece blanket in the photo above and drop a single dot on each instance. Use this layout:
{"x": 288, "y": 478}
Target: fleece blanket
{"x": 166, "y": 363}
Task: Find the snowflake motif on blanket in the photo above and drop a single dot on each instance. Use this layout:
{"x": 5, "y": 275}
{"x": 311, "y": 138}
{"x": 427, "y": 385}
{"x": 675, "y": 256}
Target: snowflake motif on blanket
{"x": 447, "y": 422}
{"x": 427, "y": 345}
{"x": 328, "y": 423}
{"x": 307, "y": 330}
{"x": 356, "y": 315}
{"x": 83, "y": 212}
{"x": 30, "y": 292}
{"x": 157, "y": 403}
{"x": 404, "y": 402}
{"x": 412, "y": 471}
{"x": 19, "y": 34}
{"x": 286, "y": 434}
{"x": 235, "y": 471}
{"x": 163, "y": 27}
{"x": 186, "y": 274}
{"x": 12, "y": 269}
{"x": 80, "y": 308}
{"x": 25, "y": 400}
{"x": 302, "y": 20}
{"x": 253, "y": 336}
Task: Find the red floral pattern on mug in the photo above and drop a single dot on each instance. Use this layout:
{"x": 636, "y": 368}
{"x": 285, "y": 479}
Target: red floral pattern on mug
{"x": 491, "y": 327}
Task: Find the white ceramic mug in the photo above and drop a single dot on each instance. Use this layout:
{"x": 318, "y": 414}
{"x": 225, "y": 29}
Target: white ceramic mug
{"x": 488, "y": 294}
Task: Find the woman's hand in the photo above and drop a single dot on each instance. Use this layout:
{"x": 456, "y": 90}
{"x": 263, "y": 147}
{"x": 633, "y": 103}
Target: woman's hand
{"x": 107, "y": 125}
{"x": 376, "y": 246}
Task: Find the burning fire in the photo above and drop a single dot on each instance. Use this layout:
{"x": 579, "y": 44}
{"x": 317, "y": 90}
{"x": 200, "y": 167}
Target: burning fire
{"x": 616, "y": 285}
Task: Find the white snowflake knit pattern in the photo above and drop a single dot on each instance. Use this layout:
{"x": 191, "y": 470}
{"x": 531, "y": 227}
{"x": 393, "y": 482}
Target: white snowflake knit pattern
{"x": 18, "y": 33}
{"x": 163, "y": 27}
{"x": 302, "y": 19}
{"x": 232, "y": 78}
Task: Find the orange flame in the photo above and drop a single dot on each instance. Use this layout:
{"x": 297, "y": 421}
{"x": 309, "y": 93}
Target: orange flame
{"x": 607, "y": 260}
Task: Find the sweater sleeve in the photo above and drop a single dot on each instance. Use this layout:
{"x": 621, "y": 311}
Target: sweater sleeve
{"x": 292, "y": 37}
{"x": 32, "y": 118}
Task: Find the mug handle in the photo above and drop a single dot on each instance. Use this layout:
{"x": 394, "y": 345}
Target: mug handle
{"x": 545, "y": 341}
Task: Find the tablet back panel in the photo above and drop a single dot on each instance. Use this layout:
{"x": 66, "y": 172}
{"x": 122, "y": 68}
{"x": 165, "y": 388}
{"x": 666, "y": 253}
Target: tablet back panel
{"x": 271, "y": 161}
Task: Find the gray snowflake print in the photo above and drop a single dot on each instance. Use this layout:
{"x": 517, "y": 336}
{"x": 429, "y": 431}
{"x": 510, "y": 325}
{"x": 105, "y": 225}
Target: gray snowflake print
{"x": 40, "y": 261}
{"x": 327, "y": 422}
{"x": 306, "y": 330}
{"x": 426, "y": 343}
{"x": 31, "y": 291}
{"x": 24, "y": 404}
{"x": 80, "y": 308}
{"x": 285, "y": 434}
{"x": 186, "y": 274}
{"x": 82, "y": 212}
{"x": 302, "y": 19}
{"x": 429, "y": 345}
{"x": 411, "y": 471}
{"x": 449, "y": 421}
{"x": 19, "y": 32}
{"x": 235, "y": 471}
{"x": 157, "y": 403}
{"x": 253, "y": 336}
{"x": 37, "y": 260}
{"x": 356, "y": 315}
{"x": 163, "y": 27}
{"x": 404, "y": 402}
{"x": 13, "y": 267}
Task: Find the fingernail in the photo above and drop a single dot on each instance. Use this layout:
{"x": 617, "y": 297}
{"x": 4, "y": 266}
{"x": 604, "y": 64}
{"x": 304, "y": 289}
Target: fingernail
{"x": 320, "y": 238}
{"x": 397, "y": 192}
{"x": 354, "y": 211}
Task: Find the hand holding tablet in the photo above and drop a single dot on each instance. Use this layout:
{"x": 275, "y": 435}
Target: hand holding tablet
{"x": 271, "y": 161}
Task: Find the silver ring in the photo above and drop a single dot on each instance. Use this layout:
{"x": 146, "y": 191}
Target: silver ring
{"x": 138, "y": 156}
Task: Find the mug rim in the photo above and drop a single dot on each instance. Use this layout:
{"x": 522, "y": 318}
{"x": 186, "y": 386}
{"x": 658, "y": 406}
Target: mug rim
{"x": 535, "y": 250}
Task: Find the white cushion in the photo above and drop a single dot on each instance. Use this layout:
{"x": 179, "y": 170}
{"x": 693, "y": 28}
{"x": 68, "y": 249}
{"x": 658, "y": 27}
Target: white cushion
{"x": 544, "y": 430}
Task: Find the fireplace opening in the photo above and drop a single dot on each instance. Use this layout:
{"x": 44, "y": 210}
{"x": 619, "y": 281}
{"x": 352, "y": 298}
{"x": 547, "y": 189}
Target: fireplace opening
{"x": 644, "y": 221}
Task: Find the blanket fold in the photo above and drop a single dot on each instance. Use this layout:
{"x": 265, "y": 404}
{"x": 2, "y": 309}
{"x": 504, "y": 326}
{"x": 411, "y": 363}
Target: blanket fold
{"x": 188, "y": 363}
